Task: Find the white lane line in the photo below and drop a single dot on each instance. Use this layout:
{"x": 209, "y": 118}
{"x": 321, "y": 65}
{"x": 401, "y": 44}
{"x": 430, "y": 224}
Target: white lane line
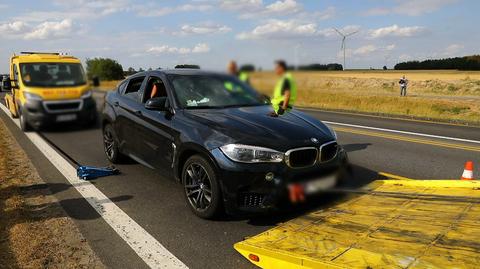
{"x": 146, "y": 246}
{"x": 402, "y": 132}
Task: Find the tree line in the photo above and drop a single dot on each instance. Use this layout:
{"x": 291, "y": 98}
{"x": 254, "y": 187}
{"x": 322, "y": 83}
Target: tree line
{"x": 458, "y": 63}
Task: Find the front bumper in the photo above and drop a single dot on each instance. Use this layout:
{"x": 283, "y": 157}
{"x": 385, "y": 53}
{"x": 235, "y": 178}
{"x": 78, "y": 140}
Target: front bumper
{"x": 246, "y": 189}
{"x": 38, "y": 115}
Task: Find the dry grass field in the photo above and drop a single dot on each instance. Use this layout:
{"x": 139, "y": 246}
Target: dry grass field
{"x": 436, "y": 95}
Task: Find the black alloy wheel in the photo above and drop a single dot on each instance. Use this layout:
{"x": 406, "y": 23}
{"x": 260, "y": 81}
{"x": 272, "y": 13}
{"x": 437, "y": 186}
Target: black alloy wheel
{"x": 201, "y": 188}
{"x": 110, "y": 146}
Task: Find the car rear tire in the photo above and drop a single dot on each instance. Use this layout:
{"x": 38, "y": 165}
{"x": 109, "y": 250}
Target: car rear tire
{"x": 110, "y": 145}
{"x": 201, "y": 188}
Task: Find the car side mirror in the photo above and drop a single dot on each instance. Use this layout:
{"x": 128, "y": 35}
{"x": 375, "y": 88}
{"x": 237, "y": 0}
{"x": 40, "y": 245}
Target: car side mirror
{"x": 6, "y": 84}
{"x": 157, "y": 103}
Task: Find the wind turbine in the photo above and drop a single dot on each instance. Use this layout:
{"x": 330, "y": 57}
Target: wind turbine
{"x": 343, "y": 47}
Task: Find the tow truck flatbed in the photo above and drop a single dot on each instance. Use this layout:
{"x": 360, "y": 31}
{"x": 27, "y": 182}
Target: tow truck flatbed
{"x": 387, "y": 224}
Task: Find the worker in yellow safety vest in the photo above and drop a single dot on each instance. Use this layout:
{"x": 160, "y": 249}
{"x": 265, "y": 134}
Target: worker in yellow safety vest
{"x": 233, "y": 70}
{"x": 285, "y": 92}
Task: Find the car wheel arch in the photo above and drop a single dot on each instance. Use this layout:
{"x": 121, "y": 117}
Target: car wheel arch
{"x": 188, "y": 151}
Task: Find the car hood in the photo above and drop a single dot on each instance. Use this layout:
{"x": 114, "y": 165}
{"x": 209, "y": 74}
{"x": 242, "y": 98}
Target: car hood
{"x": 255, "y": 126}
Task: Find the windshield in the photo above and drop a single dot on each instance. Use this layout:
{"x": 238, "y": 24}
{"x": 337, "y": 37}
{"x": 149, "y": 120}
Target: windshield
{"x": 213, "y": 91}
{"x": 52, "y": 74}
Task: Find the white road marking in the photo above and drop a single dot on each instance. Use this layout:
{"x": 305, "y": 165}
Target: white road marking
{"x": 402, "y": 132}
{"x": 154, "y": 254}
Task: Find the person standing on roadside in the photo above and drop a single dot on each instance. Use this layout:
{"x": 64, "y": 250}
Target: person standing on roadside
{"x": 285, "y": 91}
{"x": 403, "y": 86}
{"x": 232, "y": 69}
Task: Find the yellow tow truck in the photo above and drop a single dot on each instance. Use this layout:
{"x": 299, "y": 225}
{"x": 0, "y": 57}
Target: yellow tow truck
{"x": 47, "y": 89}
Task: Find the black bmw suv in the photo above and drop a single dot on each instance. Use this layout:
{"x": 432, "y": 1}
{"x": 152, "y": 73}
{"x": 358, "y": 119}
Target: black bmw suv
{"x": 220, "y": 139}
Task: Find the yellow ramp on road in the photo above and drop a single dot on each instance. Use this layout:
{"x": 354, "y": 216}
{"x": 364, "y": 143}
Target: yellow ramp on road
{"x": 387, "y": 224}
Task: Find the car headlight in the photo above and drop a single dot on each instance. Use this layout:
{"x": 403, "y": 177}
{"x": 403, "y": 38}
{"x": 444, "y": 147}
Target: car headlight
{"x": 332, "y": 131}
{"x": 87, "y": 94}
{"x": 31, "y": 96}
{"x": 251, "y": 154}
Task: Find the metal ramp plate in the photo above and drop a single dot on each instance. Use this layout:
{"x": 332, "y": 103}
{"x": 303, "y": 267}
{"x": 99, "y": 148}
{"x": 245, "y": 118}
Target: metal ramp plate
{"x": 388, "y": 224}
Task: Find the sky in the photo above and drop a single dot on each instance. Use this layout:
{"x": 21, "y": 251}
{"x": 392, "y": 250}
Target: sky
{"x": 211, "y": 32}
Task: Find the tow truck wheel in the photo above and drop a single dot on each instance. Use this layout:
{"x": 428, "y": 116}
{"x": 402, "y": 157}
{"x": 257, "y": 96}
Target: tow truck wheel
{"x": 201, "y": 188}
{"x": 23, "y": 122}
{"x": 110, "y": 144}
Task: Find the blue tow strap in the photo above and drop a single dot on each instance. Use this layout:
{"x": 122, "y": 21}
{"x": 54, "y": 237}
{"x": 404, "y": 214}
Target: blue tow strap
{"x": 90, "y": 172}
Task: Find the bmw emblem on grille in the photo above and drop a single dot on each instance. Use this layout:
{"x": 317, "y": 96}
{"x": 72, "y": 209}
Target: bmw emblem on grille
{"x": 314, "y": 140}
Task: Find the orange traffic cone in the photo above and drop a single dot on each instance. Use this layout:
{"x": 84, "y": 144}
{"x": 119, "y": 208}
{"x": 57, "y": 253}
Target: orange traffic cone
{"x": 468, "y": 171}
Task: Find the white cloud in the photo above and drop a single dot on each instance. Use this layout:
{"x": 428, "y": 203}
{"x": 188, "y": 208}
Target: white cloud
{"x": 326, "y": 14}
{"x": 369, "y": 49}
{"x": 283, "y": 7}
{"x": 153, "y": 10}
{"x": 453, "y": 50}
{"x": 30, "y": 31}
{"x": 405, "y": 58}
{"x": 206, "y": 28}
{"x": 12, "y": 27}
{"x": 50, "y": 29}
{"x": 410, "y": 7}
{"x": 396, "y": 31}
{"x": 245, "y": 5}
{"x": 249, "y": 9}
{"x": 199, "y": 48}
{"x": 277, "y": 29}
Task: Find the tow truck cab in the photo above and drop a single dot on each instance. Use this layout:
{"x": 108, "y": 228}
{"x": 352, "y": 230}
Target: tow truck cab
{"x": 48, "y": 88}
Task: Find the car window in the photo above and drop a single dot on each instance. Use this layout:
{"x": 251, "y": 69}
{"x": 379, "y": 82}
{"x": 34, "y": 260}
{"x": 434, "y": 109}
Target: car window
{"x": 133, "y": 88}
{"x": 121, "y": 87}
{"x": 155, "y": 88}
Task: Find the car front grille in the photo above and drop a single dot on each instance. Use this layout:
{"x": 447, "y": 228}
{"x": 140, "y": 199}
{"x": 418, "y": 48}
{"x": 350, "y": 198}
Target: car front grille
{"x": 328, "y": 151}
{"x": 62, "y": 106}
{"x": 251, "y": 199}
{"x": 301, "y": 157}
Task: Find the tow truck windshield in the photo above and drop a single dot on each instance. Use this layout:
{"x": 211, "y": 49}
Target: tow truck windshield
{"x": 52, "y": 74}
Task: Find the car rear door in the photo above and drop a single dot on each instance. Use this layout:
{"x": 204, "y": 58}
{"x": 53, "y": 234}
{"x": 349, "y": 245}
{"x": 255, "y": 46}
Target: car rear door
{"x": 128, "y": 108}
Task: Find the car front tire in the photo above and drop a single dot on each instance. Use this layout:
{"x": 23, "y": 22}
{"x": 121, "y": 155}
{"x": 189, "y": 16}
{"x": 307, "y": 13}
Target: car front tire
{"x": 201, "y": 188}
{"x": 24, "y": 122}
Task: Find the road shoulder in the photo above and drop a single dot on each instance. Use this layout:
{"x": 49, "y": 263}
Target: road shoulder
{"x": 35, "y": 231}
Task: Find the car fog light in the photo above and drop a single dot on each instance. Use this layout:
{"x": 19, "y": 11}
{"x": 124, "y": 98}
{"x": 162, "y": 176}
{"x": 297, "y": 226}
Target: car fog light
{"x": 269, "y": 176}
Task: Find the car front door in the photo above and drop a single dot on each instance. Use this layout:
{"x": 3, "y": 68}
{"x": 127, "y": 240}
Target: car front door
{"x": 155, "y": 131}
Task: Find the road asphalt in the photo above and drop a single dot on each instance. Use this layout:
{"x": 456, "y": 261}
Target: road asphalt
{"x": 156, "y": 203}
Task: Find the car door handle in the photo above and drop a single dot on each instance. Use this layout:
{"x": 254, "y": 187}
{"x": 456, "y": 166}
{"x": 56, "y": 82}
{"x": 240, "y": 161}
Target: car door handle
{"x": 137, "y": 112}
{"x": 116, "y": 103}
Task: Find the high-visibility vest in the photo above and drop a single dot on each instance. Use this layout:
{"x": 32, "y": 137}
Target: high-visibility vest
{"x": 243, "y": 76}
{"x": 277, "y": 93}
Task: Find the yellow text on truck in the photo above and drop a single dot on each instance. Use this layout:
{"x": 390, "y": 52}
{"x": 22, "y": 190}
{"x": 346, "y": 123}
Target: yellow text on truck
{"x": 47, "y": 89}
